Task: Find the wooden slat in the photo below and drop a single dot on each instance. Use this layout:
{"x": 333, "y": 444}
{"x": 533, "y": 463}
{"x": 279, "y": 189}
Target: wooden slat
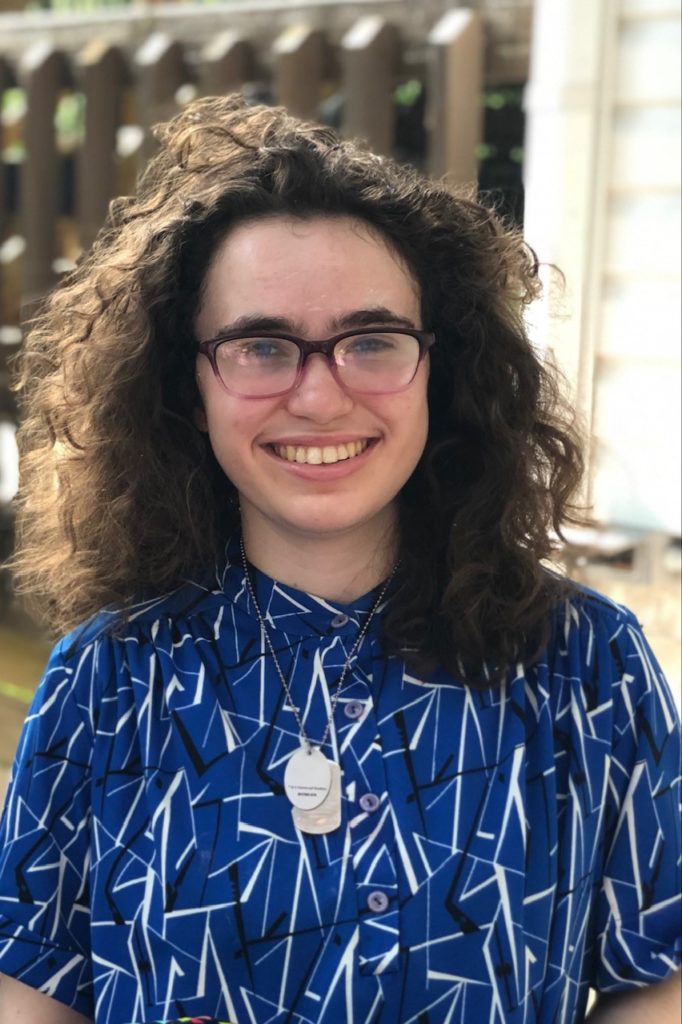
{"x": 8, "y": 405}
{"x": 299, "y": 69}
{"x": 455, "y": 88}
{"x": 160, "y": 71}
{"x": 43, "y": 73}
{"x": 225, "y": 63}
{"x": 101, "y": 71}
{"x": 11, "y": 280}
{"x": 370, "y": 52}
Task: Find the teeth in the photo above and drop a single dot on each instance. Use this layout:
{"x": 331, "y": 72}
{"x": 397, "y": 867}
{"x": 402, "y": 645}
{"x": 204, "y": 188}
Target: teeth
{"x": 315, "y": 455}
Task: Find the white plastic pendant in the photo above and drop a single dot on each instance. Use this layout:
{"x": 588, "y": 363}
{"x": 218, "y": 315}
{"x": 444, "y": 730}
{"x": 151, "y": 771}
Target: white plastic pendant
{"x": 307, "y": 778}
{"x": 327, "y": 816}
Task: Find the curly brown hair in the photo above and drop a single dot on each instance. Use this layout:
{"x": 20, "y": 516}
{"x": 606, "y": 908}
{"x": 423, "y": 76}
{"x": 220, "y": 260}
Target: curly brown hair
{"x": 121, "y": 496}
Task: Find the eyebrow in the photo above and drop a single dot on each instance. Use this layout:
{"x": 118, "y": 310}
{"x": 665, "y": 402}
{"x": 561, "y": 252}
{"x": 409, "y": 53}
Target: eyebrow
{"x": 374, "y": 316}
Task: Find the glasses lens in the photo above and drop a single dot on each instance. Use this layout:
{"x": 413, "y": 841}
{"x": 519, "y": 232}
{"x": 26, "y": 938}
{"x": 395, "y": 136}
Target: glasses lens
{"x": 377, "y": 362}
{"x": 257, "y": 366}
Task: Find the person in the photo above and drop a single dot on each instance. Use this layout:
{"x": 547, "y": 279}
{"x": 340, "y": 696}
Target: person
{"x": 327, "y": 738}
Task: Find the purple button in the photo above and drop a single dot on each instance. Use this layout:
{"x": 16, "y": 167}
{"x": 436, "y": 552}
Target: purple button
{"x": 369, "y": 801}
{"x": 353, "y": 709}
{"x": 339, "y": 620}
{"x": 377, "y": 901}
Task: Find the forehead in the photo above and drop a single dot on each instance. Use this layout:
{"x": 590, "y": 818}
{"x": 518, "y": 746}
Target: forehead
{"x": 310, "y": 272}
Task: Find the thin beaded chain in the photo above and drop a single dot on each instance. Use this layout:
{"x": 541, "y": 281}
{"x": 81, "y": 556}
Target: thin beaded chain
{"x": 347, "y": 664}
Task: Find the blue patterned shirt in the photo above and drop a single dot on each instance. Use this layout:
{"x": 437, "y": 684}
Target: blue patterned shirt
{"x": 500, "y": 852}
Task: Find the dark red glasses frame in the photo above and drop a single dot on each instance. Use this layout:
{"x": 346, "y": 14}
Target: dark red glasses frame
{"x": 308, "y": 348}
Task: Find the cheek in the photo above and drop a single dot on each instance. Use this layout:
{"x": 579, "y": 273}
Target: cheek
{"x": 415, "y": 417}
{"x": 214, "y": 415}
{"x": 234, "y": 428}
{"x": 417, "y": 431}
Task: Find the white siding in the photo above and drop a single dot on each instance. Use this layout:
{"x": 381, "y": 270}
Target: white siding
{"x": 636, "y": 410}
{"x": 648, "y": 61}
{"x": 647, "y": 148}
{"x": 603, "y": 203}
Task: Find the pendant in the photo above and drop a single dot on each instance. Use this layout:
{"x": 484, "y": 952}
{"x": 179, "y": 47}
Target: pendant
{"x": 327, "y": 816}
{"x": 307, "y": 778}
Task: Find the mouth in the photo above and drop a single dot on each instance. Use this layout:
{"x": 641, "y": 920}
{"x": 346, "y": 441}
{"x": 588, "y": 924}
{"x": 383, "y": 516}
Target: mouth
{"x": 318, "y": 455}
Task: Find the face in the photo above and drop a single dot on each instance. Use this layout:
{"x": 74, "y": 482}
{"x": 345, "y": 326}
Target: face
{"x": 316, "y": 278}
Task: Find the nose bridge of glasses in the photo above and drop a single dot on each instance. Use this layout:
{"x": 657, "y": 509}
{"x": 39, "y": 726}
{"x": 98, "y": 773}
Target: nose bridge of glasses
{"x": 324, "y": 349}
{"x": 325, "y": 355}
{"x": 311, "y": 348}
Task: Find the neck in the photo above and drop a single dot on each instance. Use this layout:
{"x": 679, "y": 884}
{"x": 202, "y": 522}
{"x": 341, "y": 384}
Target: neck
{"x": 337, "y": 568}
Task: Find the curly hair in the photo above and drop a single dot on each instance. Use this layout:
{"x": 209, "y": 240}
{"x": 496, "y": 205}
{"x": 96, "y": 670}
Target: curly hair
{"x": 121, "y": 495}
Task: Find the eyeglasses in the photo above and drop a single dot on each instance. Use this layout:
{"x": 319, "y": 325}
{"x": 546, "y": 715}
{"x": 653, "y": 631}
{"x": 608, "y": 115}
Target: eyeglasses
{"x": 374, "y": 361}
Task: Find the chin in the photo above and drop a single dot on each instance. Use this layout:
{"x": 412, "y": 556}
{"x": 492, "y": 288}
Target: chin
{"x": 326, "y": 528}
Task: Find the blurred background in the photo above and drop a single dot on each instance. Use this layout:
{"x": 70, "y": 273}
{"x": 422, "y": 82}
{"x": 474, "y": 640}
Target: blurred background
{"x": 567, "y": 112}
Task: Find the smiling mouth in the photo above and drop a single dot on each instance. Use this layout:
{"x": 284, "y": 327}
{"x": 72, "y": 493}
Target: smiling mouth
{"x": 315, "y": 455}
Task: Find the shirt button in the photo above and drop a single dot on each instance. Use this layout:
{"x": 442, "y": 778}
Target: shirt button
{"x": 340, "y": 620}
{"x": 377, "y": 901}
{"x": 353, "y": 709}
{"x": 369, "y": 802}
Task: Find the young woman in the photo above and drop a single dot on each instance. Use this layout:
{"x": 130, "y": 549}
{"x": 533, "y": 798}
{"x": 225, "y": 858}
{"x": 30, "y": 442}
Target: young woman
{"x": 340, "y": 747}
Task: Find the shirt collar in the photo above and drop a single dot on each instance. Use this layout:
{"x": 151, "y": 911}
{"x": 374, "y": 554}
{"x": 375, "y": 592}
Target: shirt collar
{"x": 293, "y": 611}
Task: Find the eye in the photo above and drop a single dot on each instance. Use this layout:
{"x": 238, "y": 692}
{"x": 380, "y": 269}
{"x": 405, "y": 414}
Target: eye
{"x": 258, "y": 350}
{"x": 370, "y": 344}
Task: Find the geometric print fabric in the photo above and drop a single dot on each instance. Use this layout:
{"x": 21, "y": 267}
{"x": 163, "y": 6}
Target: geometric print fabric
{"x": 500, "y": 852}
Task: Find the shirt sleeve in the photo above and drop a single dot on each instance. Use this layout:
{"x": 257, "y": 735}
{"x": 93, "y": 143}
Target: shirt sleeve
{"x": 638, "y": 913}
{"x": 45, "y": 843}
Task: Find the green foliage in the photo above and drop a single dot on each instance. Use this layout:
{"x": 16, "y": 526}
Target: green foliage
{"x": 69, "y": 120}
{"x": 12, "y": 109}
{"x": 12, "y": 104}
{"x": 407, "y": 93}
{"x": 504, "y": 96}
{"x": 485, "y": 150}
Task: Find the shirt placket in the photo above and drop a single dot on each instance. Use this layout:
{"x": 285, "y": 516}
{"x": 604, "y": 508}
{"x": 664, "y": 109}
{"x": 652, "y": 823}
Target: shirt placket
{"x": 371, "y": 826}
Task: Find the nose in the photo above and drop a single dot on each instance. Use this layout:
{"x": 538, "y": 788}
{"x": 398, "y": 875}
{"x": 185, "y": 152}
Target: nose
{"x": 319, "y": 395}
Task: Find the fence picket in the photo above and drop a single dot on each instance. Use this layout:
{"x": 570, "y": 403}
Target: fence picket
{"x": 11, "y": 279}
{"x": 160, "y": 71}
{"x": 43, "y": 72}
{"x": 454, "y": 113}
{"x": 225, "y": 63}
{"x": 101, "y": 71}
{"x": 300, "y": 59}
{"x": 370, "y": 52}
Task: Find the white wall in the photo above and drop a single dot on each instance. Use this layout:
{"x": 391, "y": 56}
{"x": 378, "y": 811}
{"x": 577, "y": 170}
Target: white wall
{"x": 603, "y": 203}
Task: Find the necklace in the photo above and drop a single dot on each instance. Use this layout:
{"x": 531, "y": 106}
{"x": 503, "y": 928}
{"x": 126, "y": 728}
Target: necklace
{"x": 312, "y": 782}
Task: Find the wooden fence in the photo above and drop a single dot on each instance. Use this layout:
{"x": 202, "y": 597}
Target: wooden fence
{"x": 119, "y": 73}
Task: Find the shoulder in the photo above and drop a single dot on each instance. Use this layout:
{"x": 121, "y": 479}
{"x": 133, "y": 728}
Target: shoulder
{"x": 582, "y": 616}
{"x": 601, "y": 647}
{"x": 106, "y": 657}
{"x": 582, "y": 602}
{"x": 118, "y": 626}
